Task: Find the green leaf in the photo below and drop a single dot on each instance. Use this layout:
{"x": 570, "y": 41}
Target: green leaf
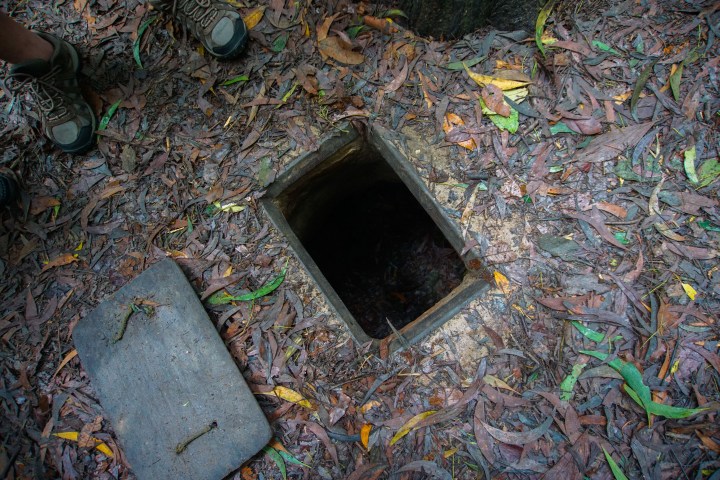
{"x": 239, "y": 78}
{"x": 588, "y": 332}
{"x": 556, "y": 168}
{"x": 624, "y": 170}
{"x": 640, "y": 85}
{"x": 667, "y": 411}
{"x": 105, "y": 120}
{"x": 264, "y": 172}
{"x": 279, "y": 43}
{"x": 675, "y": 82}
{"x": 709, "y": 171}
{"x": 605, "y": 47}
{"x": 510, "y": 123}
{"x": 393, "y": 13}
{"x": 707, "y": 225}
{"x": 639, "y": 44}
{"x": 468, "y": 63}
{"x": 222, "y": 298}
{"x": 622, "y": 237}
{"x": 560, "y": 127}
{"x": 690, "y": 165}
{"x": 632, "y": 376}
{"x": 540, "y": 24}
{"x": 567, "y": 385}
{"x": 272, "y": 453}
{"x": 138, "y": 40}
{"x": 288, "y": 94}
{"x": 290, "y": 459}
{"x": 355, "y": 30}
{"x": 617, "y": 473}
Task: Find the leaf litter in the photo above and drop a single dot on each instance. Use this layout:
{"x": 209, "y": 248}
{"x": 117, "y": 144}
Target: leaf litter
{"x": 606, "y": 145}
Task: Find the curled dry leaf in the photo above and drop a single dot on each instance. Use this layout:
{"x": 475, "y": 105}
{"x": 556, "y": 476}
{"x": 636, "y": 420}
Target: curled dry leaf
{"x": 451, "y": 125}
{"x": 493, "y": 98}
{"x": 409, "y": 425}
{"x": 502, "y": 83}
{"x": 337, "y": 49}
{"x": 519, "y": 438}
{"x": 289, "y": 395}
{"x": 74, "y": 437}
{"x": 40, "y": 204}
{"x": 59, "y": 261}
{"x": 305, "y": 75}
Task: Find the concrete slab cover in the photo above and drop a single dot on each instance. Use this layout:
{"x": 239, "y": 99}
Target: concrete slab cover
{"x": 176, "y": 399}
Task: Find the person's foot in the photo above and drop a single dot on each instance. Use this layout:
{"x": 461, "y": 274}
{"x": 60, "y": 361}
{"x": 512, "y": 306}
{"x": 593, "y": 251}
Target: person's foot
{"x": 216, "y": 24}
{"x": 68, "y": 120}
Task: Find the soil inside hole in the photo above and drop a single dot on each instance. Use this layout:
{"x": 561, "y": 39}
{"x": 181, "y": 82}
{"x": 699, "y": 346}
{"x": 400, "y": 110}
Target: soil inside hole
{"x": 378, "y": 248}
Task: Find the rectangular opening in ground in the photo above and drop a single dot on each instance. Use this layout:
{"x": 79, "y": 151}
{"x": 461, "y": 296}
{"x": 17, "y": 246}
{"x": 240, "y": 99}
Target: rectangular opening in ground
{"x": 381, "y": 252}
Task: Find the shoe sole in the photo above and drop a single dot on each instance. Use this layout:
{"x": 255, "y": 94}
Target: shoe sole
{"x": 77, "y": 64}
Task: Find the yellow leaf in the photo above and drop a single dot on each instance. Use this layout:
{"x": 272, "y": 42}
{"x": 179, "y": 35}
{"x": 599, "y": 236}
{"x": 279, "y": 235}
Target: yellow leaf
{"x": 369, "y": 405}
{"x": 493, "y": 381}
{"x": 289, "y": 395}
{"x": 501, "y": 280}
{"x": 501, "y": 83}
{"x": 675, "y": 367}
{"x": 365, "y": 434}
{"x": 451, "y": 452}
{"x": 254, "y": 17}
{"x": 74, "y": 437}
{"x": 622, "y": 97}
{"x": 67, "y": 435}
{"x": 104, "y": 449}
{"x": 405, "y": 429}
{"x": 689, "y": 290}
{"x": 72, "y": 354}
{"x": 64, "y": 259}
{"x": 517, "y": 95}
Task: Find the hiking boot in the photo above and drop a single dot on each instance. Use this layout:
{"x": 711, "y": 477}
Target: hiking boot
{"x": 8, "y": 190}
{"x": 216, "y": 24}
{"x": 68, "y": 120}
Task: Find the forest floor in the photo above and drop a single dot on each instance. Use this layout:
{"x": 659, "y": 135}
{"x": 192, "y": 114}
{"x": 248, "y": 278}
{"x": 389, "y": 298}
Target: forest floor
{"x": 593, "y": 196}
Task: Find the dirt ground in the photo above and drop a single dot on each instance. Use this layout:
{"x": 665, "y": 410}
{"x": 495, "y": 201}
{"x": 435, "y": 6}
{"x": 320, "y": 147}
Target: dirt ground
{"x": 596, "y": 353}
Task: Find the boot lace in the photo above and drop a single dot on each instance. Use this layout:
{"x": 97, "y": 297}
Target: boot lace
{"x": 200, "y": 13}
{"x": 48, "y": 97}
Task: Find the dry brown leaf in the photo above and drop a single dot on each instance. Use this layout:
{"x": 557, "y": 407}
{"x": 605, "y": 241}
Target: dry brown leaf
{"x": 616, "y": 210}
{"x": 398, "y": 80}
{"x": 40, "y": 204}
{"x": 493, "y": 98}
{"x": 596, "y": 220}
{"x": 305, "y": 75}
{"x": 324, "y": 28}
{"x": 336, "y": 49}
{"x": 451, "y": 123}
{"x": 59, "y": 261}
{"x": 85, "y": 438}
{"x": 385, "y": 25}
{"x": 613, "y": 143}
{"x": 71, "y": 354}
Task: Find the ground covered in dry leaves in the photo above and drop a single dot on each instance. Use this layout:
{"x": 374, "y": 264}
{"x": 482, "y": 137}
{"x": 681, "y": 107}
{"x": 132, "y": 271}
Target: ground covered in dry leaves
{"x": 610, "y": 303}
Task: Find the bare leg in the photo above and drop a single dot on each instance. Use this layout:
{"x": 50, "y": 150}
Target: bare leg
{"x": 18, "y": 44}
